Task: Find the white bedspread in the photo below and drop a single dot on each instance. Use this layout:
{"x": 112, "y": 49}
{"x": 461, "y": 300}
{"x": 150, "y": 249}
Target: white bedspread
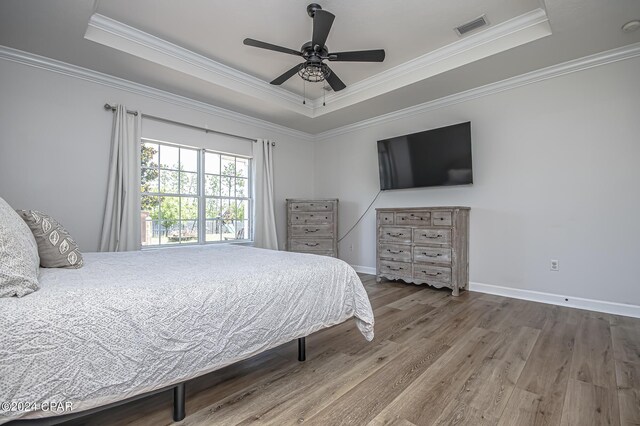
{"x": 129, "y": 323}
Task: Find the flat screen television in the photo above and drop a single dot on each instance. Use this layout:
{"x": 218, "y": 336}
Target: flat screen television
{"x": 438, "y": 157}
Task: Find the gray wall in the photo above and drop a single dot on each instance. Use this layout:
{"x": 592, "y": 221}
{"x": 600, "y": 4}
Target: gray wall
{"x": 54, "y": 147}
{"x": 556, "y": 176}
{"x": 556, "y": 172}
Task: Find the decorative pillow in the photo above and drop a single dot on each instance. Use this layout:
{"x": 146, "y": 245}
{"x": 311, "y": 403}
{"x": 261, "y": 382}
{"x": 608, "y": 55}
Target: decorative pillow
{"x": 18, "y": 255}
{"x": 55, "y": 246}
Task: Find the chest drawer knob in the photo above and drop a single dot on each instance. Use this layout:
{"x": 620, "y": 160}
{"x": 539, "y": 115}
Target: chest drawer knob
{"x": 391, "y": 268}
{"x": 431, "y": 255}
{"x": 311, "y": 230}
{"x": 433, "y": 274}
{"x": 432, "y": 236}
{"x": 396, "y": 234}
{"x": 311, "y": 244}
{"x": 395, "y": 251}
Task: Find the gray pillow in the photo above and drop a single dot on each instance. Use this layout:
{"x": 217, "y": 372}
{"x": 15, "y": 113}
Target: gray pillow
{"x": 18, "y": 255}
{"x": 55, "y": 246}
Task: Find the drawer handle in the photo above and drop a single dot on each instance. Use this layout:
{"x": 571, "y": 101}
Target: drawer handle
{"x": 431, "y": 273}
{"x": 311, "y": 244}
{"x": 394, "y": 269}
{"x": 431, "y": 255}
{"x": 432, "y": 236}
{"x": 311, "y": 230}
{"x": 394, "y": 251}
{"x": 441, "y": 218}
{"x": 395, "y": 235}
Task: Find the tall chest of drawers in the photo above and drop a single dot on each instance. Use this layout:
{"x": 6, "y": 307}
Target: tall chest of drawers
{"x": 424, "y": 245}
{"x": 312, "y": 226}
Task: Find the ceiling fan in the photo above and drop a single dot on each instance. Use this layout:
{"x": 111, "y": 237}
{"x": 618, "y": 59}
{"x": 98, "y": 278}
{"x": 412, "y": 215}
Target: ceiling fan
{"x": 314, "y": 52}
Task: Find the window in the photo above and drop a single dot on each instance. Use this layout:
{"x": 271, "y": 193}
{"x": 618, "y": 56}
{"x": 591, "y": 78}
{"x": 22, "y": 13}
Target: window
{"x": 191, "y": 195}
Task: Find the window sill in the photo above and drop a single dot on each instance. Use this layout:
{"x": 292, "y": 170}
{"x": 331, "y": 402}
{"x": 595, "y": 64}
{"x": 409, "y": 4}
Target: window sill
{"x": 248, "y": 243}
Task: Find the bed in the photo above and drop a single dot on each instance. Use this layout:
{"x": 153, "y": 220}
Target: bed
{"x": 130, "y": 323}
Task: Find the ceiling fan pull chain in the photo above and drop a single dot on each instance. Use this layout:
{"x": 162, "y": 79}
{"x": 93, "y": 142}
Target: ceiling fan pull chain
{"x": 324, "y": 94}
{"x": 304, "y": 92}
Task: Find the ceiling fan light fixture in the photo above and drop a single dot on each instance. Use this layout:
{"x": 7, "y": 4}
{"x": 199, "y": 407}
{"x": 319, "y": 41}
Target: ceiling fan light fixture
{"x": 313, "y": 72}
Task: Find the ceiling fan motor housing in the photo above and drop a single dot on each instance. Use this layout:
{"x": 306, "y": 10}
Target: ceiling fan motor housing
{"x": 309, "y": 51}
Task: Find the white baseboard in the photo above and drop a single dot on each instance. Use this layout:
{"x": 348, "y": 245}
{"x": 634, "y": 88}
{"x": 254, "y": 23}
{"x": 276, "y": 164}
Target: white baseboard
{"x": 364, "y": 269}
{"x": 557, "y": 299}
{"x": 549, "y": 298}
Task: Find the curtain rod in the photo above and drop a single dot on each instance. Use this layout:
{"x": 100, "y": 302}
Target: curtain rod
{"x": 165, "y": 120}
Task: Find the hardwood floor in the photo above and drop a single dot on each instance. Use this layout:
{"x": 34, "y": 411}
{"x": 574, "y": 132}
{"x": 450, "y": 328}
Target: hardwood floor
{"x": 436, "y": 360}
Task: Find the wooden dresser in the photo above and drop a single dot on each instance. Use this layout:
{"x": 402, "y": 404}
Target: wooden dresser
{"x": 424, "y": 245}
{"x": 312, "y": 226}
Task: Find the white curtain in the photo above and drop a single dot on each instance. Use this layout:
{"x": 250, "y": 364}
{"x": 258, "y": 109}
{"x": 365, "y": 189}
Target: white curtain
{"x": 264, "y": 235}
{"x": 121, "y": 225}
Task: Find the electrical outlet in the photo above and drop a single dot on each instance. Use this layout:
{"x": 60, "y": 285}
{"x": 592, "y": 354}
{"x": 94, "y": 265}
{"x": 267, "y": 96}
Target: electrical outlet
{"x": 555, "y": 265}
{"x": 350, "y": 247}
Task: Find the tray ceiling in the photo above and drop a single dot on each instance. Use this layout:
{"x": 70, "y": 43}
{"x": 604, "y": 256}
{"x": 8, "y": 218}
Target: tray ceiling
{"x": 194, "y": 48}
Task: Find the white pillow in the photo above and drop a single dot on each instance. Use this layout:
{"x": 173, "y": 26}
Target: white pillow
{"x": 19, "y": 260}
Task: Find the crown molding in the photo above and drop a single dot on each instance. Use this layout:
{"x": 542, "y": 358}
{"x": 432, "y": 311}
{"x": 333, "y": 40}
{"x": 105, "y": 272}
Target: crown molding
{"x": 496, "y": 38}
{"x": 117, "y": 35}
{"x": 598, "y": 59}
{"x": 41, "y": 62}
{"x": 74, "y": 71}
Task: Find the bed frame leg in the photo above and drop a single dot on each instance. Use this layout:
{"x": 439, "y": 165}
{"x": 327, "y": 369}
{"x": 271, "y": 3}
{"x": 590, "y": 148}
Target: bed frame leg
{"x": 178, "y": 402}
{"x": 301, "y": 349}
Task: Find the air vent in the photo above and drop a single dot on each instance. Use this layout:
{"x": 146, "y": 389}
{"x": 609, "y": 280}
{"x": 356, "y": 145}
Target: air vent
{"x": 472, "y": 25}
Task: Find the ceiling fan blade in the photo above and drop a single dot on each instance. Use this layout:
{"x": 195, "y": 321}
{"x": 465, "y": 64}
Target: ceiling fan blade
{"x": 269, "y": 46}
{"x": 358, "y": 56}
{"x": 286, "y": 76}
{"x": 322, "y": 21}
{"x": 334, "y": 81}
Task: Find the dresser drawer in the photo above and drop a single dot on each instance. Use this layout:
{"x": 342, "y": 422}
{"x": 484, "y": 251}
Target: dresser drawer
{"x": 413, "y": 218}
{"x": 310, "y": 244}
{"x": 312, "y": 230}
{"x": 432, "y": 273}
{"x": 432, "y": 236}
{"x": 385, "y": 218}
{"x": 316, "y": 218}
{"x": 442, "y": 219}
{"x": 395, "y": 235}
{"x": 395, "y": 252}
{"x": 431, "y": 254}
{"x": 399, "y": 269}
{"x": 311, "y": 207}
